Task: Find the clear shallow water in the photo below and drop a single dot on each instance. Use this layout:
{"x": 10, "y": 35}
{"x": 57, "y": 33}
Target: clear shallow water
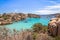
{"x": 27, "y": 23}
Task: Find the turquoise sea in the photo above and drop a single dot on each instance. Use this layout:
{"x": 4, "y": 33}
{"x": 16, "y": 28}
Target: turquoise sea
{"x": 27, "y": 23}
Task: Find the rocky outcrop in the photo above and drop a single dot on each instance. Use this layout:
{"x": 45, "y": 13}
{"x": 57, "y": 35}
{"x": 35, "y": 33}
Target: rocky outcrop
{"x": 33, "y": 16}
{"x": 54, "y": 27}
{"x": 8, "y": 21}
{"x": 10, "y": 17}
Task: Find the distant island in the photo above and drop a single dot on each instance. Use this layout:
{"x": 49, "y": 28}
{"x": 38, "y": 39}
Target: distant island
{"x": 8, "y": 18}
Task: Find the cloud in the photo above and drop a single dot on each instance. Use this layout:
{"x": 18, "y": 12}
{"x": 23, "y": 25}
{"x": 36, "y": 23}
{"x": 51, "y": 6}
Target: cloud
{"x": 53, "y": 7}
{"x": 50, "y": 9}
{"x": 53, "y": 2}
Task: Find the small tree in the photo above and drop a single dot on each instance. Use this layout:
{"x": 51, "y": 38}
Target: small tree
{"x": 37, "y": 27}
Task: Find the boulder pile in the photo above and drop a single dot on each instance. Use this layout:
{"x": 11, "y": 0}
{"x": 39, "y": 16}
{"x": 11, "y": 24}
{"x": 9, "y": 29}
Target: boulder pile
{"x": 54, "y": 27}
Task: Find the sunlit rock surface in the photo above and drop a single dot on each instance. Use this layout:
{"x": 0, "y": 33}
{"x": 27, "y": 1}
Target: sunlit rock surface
{"x": 8, "y": 18}
{"x": 54, "y": 27}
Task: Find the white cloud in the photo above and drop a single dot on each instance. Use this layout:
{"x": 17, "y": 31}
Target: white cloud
{"x": 53, "y": 2}
{"x": 53, "y": 7}
{"x": 50, "y": 9}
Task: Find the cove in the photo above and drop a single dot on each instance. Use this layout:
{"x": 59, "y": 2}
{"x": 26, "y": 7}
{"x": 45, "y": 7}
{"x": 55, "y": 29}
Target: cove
{"x": 27, "y": 23}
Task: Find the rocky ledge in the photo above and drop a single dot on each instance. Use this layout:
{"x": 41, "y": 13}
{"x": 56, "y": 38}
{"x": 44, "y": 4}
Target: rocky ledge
{"x": 54, "y": 26}
{"x": 8, "y": 18}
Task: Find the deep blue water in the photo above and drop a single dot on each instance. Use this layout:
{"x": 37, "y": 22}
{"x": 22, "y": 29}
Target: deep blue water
{"x": 28, "y": 23}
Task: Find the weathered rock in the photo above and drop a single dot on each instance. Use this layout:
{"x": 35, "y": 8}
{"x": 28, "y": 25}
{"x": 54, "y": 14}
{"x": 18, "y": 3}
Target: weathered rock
{"x": 9, "y": 18}
{"x": 54, "y": 27}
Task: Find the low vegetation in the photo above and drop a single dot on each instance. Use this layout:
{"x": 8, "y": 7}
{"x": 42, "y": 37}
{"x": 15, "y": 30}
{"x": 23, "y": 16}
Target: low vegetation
{"x": 57, "y": 37}
{"x": 38, "y": 32}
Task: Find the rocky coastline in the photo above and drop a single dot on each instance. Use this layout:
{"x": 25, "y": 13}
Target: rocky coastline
{"x": 54, "y": 26}
{"x": 8, "y": 18}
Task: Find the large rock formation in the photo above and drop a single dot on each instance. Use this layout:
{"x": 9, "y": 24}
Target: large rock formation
{"x": 10, "y": 17}
{"x": 54, "y": 27}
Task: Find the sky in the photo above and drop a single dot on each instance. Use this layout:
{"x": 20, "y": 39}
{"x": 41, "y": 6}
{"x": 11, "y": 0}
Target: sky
{"x": 42, "y": 7}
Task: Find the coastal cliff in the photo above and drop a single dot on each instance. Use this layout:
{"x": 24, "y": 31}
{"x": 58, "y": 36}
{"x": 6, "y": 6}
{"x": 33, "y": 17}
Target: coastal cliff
{"x": 8, "y": 18}
{"x": 54, "y": 26}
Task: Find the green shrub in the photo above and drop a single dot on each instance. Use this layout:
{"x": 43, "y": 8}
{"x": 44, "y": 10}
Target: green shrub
{"x": 57, "y": 38}
{"x": 37, "y": 27}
